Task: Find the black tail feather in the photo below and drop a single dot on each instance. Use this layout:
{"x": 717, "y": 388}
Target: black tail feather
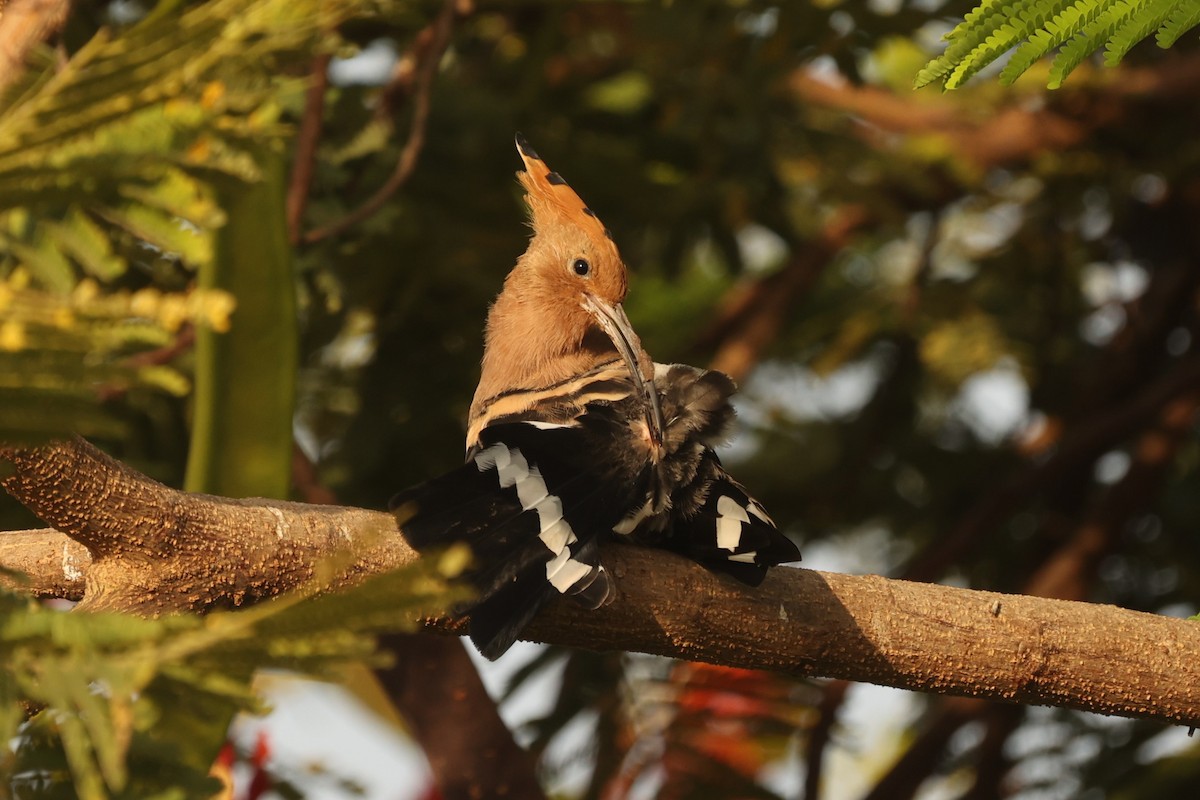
{"x": 731, "y": 533}
{"x": 497, "y": 621}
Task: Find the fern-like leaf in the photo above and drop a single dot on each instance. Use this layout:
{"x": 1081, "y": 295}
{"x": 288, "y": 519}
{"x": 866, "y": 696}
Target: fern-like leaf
{"x": 87, "y": 244}
{"x": 968, "y": 35}
{"x": 1090, "y": 39}
{"x": 1065, "y": 23}
{"x": 1150, "y": 16}
{"x": 1077, "y": 28}
{"x": 1023, "y": 22}
{"x": 112, "y": 159}
{"x": 45, "y": 262}
{"x": 138, "y": 707}
{"x": 1182, "y": 19}
{"x": 59, "y": 350}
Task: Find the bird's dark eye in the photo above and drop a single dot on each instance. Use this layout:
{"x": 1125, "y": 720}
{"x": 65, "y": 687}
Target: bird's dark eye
{"x": 581, "y": 267}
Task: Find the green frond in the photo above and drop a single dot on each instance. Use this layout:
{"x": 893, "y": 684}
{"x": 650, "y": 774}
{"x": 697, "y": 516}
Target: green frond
{"x": 165, "y": 231}
{"x": 165, "y": 379}
{"x": 27, "y": 415}
{"x": 45, "y": 263}
{"x": 61, "y": 351}
{"x": 969, "y": 34}
{"x": 126, "y": 697}
{"x": 1065, "y": 23}
{"x": 1184, "y": 17}
{"x": 181, "y": 195}
{"x": 116, "y": 158}
{"x": 87, "y": 244}
{"x": 1089, "y": 39}
{"x": 1023, "y": 21}
{"x": 149, "y": 116}
{"x": 1148, "y": 17}
{"x": 1077, "y": 28}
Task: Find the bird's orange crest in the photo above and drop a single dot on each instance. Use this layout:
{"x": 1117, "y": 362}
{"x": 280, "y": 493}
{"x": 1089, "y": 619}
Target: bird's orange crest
{"x": 553, "y": 201}
{"x": 560, "y": 313}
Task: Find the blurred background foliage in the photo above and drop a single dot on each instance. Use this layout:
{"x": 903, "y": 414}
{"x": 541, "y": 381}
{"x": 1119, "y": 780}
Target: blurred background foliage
{"x": 963, "y": 323}
{"x": 127, "y": 707}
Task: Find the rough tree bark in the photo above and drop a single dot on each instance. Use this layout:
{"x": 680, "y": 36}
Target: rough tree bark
{"x": 153, "y": 549}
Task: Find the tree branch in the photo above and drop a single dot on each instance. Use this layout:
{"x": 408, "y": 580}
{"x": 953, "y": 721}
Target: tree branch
{"x": 156, "y": 549}
{"x": 1066, "y": 574}
{"x": 48, "y": 563}
{"x": 471, "y": 753}
{"x": 1012, "y": 133}
{"x": 750, "y": 316}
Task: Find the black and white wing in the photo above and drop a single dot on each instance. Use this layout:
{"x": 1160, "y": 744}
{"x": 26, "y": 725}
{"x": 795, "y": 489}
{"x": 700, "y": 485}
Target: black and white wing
{"x": 532, "y": 507}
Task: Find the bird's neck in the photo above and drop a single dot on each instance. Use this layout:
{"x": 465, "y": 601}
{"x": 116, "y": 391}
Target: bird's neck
{"x": 529, "y": 345}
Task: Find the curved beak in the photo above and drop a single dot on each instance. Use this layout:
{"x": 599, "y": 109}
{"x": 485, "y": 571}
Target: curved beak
{"x": 614, "y": 323}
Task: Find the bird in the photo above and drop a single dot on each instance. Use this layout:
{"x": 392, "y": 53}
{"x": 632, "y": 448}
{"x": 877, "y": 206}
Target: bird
{"x": 575, "y": 436}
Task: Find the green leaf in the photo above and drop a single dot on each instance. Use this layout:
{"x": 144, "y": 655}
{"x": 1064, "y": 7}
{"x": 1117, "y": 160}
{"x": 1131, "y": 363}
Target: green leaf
{"x": 138, "y": 708}
{"x": 1037, "y": 27}
{"x": 1089, "y": 39}
{"x": 1058, "y": 28}
{"x": 1182, "y": 19}
{"x": 170, "y": 380}
{"x": 46, "y": 263}
{"x": 181, "y": 195}
{"x": 245, "y": 378}
{"x": 965, "y": 37}
{"x": 1023, "y": 20}
{"x": 165, "y": 231}
{"x": 87, "y": 243}
{"x": 1149, "y": 16}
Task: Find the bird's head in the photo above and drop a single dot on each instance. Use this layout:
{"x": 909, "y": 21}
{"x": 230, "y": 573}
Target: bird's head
{"x": 571, "y": 254}
{"x": 560, "y": 312}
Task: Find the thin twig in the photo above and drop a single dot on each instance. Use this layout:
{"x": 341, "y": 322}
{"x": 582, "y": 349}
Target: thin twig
{"x": 426, "y": 71}
{"x": 168, "y": 352}
{"x": 306, "y": 147}
{"x": 182, "y": 342}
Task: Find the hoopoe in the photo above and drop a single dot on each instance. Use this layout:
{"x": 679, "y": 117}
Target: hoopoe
{"x": 576, "y": 436}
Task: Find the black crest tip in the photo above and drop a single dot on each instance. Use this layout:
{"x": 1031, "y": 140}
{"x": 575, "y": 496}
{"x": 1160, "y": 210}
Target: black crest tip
{"x": 554, "y": 179}
{"x": 525, "y": 148}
